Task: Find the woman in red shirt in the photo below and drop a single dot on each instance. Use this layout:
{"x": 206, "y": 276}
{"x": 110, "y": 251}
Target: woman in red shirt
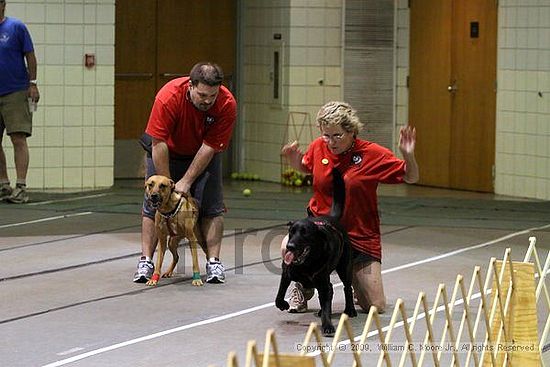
{"x": 363, "y": 165}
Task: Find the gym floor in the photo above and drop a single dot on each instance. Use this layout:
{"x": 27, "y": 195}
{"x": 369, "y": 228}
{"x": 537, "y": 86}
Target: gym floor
{"x": 68, "y": 259}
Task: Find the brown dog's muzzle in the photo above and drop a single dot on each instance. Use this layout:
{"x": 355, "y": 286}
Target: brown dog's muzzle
{"x": 154, "y": 200}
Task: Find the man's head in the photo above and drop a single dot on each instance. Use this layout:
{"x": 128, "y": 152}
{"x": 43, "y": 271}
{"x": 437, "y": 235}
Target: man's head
{"x": 206, "y": 79}
{"x": 2, "y": 8}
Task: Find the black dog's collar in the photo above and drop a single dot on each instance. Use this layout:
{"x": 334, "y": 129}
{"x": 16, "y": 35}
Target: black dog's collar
{"x": 326, "y": 224}
{"x": 321, "y": 223}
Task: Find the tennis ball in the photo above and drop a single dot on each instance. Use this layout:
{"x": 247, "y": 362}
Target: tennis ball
{"x": 247, "y": 192}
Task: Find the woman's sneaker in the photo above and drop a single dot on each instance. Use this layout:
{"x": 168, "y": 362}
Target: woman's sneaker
{"x": 215, "y": 272}
{"x": 19, "y": 195}
{"x": 299, "y": 297}
{"x": 144, "y": 271}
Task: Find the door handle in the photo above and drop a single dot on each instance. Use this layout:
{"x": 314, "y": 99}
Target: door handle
{"x": 133, "y": 75}
{"x": 452, "y": 87}
{"x": 172, "y": 75}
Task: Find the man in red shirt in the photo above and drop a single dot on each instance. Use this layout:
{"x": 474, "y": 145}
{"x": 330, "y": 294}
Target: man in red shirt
{"x": 363, "y": 165}
{"x": 191, "y": 122}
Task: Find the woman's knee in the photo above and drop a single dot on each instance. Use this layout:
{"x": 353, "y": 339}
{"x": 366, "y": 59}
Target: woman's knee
{"x": 380, "y": 305}
{"x": 366, "y": 302}
{"x": 283, "y": 245}
{"x": 368, "y": 286}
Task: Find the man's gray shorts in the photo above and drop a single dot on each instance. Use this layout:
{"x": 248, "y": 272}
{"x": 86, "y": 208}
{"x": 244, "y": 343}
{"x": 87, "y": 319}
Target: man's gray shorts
{"x": 15, "y": 116}
{"x": 207, "y": 188}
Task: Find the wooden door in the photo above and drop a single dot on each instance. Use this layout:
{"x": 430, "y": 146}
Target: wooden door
{"x": 430, "y": 72}
{"x": 135, "y": 66}
{"x": 193, "y": 31}
{"x": 474, "y": 105}
{"x": 452, "y": 97}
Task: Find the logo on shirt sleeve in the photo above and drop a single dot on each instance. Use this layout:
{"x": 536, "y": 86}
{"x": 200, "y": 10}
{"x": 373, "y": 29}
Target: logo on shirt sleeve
{"x": 209, "y": 120}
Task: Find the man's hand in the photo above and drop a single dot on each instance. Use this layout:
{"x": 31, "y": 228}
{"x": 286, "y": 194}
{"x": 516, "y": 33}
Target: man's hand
{"x": 33, "y": 92}
{"x": 183, "y": 186}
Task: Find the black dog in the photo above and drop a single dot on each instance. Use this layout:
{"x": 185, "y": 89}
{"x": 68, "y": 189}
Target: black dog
{"x": 316, "y": 247}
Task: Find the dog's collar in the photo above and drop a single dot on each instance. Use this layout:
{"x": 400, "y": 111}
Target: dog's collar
{"x": 321, "y": 223}
{"x": 173, "y": 213}
{"x": 324, "y": 224}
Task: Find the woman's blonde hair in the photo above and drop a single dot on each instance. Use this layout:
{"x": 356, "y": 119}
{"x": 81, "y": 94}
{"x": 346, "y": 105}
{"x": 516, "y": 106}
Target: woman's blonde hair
{"x": 339, "y": 113}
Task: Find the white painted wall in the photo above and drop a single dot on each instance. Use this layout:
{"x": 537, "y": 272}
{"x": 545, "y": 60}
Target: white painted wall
{"x": 523, "y": 116}
{"x": 73, "y": 129}
{"x": 311, "y": 32}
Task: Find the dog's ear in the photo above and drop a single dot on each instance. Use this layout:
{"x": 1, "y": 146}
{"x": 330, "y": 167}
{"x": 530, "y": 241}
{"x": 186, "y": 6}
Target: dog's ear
{"x": 172, "y": 185}
{"x": 290, "y": 223}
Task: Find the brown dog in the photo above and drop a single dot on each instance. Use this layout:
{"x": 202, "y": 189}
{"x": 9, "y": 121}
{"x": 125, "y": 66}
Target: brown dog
{"x": 176, "y": 218}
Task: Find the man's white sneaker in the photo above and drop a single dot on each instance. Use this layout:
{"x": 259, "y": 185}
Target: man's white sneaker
{"x": 19, "y": 195}
{"x": 144, "y": 271}
{"x": 5, "y": 191}
{"x": 215, "y": 272}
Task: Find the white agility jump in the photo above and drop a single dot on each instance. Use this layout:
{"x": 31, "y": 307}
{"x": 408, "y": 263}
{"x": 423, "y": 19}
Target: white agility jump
{"x": 467, "y": 329}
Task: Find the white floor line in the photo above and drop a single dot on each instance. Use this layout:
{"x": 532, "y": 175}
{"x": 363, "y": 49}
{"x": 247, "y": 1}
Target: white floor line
{"x": 456, "y": 252}
{"x": 272, "y": 304}
{"x": 159, "y": 334}
{"x": 69, "y": 199}
{"x": 70, "y": 351}
{"x": 44, "y": 219}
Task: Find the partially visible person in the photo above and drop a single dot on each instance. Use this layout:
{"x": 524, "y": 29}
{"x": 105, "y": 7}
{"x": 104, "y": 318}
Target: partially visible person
{"x": 17, "y": 91}
{"x": 191, "y": 123}
{"x": 364, "y": 165}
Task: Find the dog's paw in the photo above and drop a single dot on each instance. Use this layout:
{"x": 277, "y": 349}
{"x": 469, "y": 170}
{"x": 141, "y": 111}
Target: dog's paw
{"x": 282, "y": 305}
{"x": 168, "y": 274}
{"x": 351, "y": 313}
{"x": 197, "y": 283}
{"x": 154, "y": 279}
{"x": 328, "y": 330}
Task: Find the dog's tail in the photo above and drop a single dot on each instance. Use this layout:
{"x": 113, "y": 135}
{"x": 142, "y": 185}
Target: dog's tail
{"x": 338, "y": 194}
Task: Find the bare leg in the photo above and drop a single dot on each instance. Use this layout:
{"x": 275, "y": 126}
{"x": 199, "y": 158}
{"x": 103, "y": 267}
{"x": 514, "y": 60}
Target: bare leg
{"x": 148, "y": 237}
{"x": 367, "y": 283}
{"x": 21, "y": 153}
{"x": 283, "y": 245}
{"x": 3, "y": 165}
{"x": 212, "y": 231}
